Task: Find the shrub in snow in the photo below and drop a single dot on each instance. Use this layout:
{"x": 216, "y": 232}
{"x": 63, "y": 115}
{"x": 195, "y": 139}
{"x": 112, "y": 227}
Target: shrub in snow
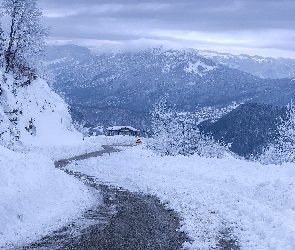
{"x": 283, "y": 150}
{"x": 82, "y": 128}
{"x": 177, "y": 133}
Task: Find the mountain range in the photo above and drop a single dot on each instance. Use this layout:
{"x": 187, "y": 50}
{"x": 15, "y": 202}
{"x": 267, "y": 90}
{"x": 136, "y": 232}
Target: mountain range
{"x": 112, "y": 88}
{"x": 264, "y": 67}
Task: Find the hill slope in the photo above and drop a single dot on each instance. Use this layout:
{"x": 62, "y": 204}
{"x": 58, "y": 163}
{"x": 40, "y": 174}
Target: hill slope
{"x": 248, "y": 128}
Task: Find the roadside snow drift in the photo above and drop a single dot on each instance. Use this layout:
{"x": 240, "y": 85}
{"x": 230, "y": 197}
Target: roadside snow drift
{"x": 254, "y": 203}
{"x": 36, "y": 198}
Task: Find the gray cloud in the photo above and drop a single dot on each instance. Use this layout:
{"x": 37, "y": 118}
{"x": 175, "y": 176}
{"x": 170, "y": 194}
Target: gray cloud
{"x": 247, "y": 24}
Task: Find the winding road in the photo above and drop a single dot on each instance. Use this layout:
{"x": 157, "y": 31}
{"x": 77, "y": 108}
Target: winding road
{"x": 125, "y": 220}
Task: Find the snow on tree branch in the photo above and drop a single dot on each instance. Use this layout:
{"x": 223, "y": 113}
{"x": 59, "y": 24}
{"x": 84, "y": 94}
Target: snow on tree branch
{"x": 24, "y": 43}
{"x": 283, "y": 150}
{"x": 177, "y": 133}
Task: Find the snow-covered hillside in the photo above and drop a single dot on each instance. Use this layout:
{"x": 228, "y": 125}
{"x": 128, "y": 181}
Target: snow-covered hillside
{"x": 35, "y": 129}
{"x": 36, "y": 198}
{"x": 128, "y": 84}
{"x": 37, "y": 115}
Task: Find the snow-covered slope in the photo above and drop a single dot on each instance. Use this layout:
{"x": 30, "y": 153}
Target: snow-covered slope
{"x": 36, "y": 198}
{"x": 36, "y": 114}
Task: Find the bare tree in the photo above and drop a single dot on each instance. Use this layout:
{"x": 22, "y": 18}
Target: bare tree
{"x": 177, "y": 133}
{"x": 25, "y": 41}
{"x": 22, "y": 41}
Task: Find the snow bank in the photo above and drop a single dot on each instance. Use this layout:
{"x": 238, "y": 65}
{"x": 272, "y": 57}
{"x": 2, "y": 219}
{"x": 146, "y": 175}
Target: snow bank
{"x": 254, "y": 202}
{"x": 62, "y": 151}
{"x": 36, "y": 198}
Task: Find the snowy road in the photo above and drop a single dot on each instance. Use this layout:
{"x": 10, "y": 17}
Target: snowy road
{"x": 251, "y": 203}
{"x": 126, "y": 220}
{"x": 223, "y": 202}
{"x": 106, "y": 150}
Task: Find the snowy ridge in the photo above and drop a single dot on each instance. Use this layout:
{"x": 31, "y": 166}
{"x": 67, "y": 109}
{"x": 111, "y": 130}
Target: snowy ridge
{"x": 264, "y": 67}
{"x": 198, "y": 68}
{"x": 46, "y": 63}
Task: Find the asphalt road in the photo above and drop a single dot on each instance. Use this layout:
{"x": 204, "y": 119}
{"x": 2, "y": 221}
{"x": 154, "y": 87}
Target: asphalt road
{"x": 126, "y": 220}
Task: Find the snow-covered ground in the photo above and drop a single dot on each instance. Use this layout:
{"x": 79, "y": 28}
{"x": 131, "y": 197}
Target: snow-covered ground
{"x": 252, "y": 201}
{"x": 35, "y": 197}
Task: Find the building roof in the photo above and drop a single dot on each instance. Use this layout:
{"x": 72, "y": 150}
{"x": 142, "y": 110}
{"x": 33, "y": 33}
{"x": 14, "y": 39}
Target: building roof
{"x": 122, "y": 128}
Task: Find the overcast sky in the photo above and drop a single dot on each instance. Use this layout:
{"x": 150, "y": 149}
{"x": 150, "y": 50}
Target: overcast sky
{"x": 254, "y": 27}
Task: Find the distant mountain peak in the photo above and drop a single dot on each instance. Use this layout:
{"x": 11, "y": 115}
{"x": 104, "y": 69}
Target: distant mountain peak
{"x": 263, "y": 67}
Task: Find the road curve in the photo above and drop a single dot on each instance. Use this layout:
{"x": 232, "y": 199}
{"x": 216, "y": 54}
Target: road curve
{"x": 126, "y": 220}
